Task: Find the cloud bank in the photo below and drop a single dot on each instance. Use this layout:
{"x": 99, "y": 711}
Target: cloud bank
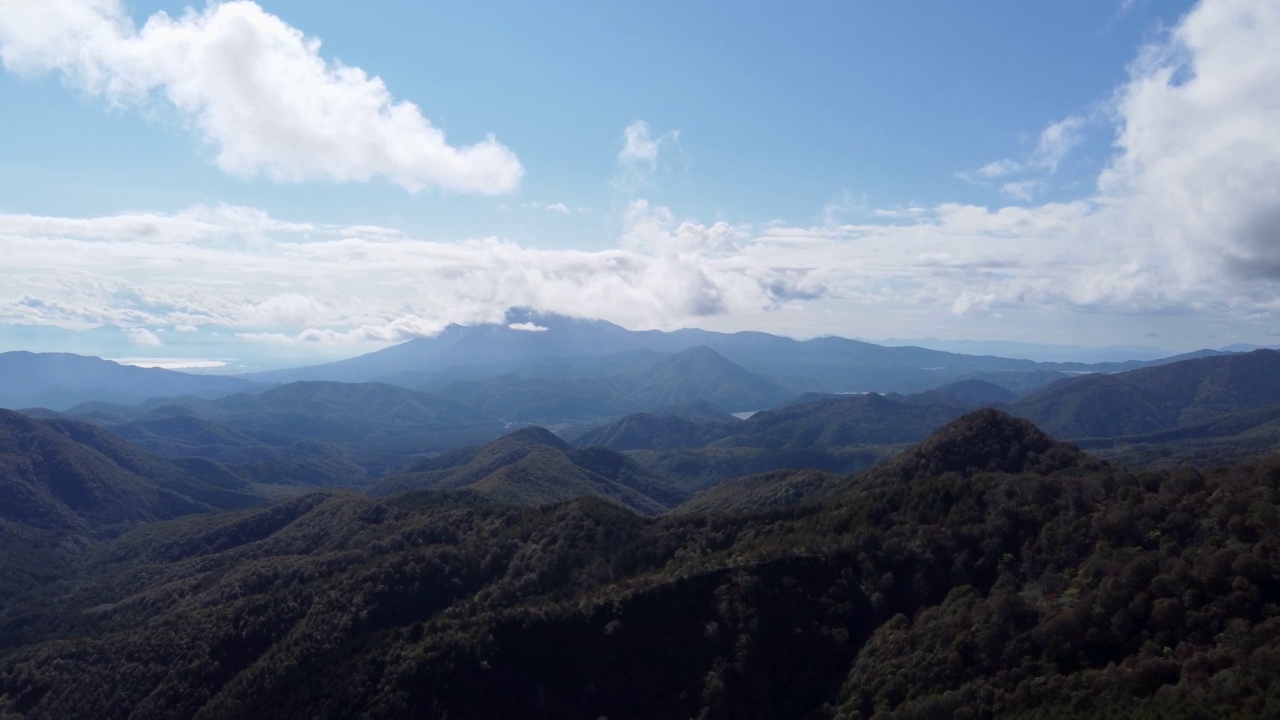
{"x": 1184, "y": 218}
{"x": 254, "y": 88}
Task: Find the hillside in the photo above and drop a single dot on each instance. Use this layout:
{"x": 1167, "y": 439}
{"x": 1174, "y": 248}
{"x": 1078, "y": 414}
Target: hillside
{"x": 1155, "y": 398}
{"x": 696, "y": 375}
{"x": 1024, "y": 580}
{"x": 64, "y": 484}
{"x": 374, "y": 426}
{"x": 61, "y": 380}
{"x": 645, "y": 431}
{"x": 532, "y": 466}
{"x": 869, "y": 419}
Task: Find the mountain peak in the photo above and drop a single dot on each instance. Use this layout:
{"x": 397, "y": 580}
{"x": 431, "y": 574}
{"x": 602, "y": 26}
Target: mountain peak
{"x": 987, "y": 440}
{"x": 534, "y": 435}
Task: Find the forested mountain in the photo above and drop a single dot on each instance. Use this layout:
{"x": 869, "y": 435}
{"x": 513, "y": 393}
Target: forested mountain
{"x": 365, "y": 427}
{"x": 1155, "y": 398}
{"x": 61, "y": 380}
{"x": 532, "y": 466}
{"x": 990, "y": 572}
{"x": 695, "y": 375}
{"x": 650, "y": 431}
{"x": 65, "y": 483}
{"x": 69, "y": 475}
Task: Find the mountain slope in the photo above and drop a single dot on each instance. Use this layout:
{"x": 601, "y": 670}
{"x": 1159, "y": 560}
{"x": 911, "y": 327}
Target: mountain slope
{"x": 696, "y": 375}
{"x": 61, "y": 380}
{"x": 1155, "y": 398}
{"x": 377, "y": 426}
{"x": 533, "y": 466}
{"x": 829, "y": 364}
{"x": 702, "y": 374}
{"x": 645, "y": 431}
{"x": 869, "y": 419}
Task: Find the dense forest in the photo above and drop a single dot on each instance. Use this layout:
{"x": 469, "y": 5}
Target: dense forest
{"x": 989, "y": 572}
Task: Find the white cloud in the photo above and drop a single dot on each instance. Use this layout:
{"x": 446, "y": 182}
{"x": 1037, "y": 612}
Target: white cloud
{"x": 554, "y": 207}
{"x": 1055, "y": 142}
{"x": 843, "y": 205}
{"x": 1183, "y": 220}
{"x": 1024, "y": 190}
{"x": 143, "y": 337}
{"x": 527, "y": 327}
{"x": 641, "y": 156}
{"x": 639, "y": 145}
{"x": 253, "y": 87}
{"x": 171, "y": 363}
{"x": 999, "y": 168}
{"x": 1199, "y": 162}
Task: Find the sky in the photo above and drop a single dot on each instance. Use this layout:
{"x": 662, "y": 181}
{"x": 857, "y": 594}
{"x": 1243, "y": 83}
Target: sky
{"x": 246, "y": 185}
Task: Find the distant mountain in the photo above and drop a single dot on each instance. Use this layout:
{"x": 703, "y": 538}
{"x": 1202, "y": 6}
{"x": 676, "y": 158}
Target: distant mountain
{"x": 702, "y": 374}
{"x": 695, "y": 410}
{"x": 532, "y": 466}
{"x": 63, "y": 484}
{"x": 73, "y": 476}
{"x": 645, "y": 431}
{"x": 61, "y": 380}
{"x": 829, "y": 364}
{"x": 696, "y": 375}
{"x": 869, "y": 419}
{"x": 377, "y": 427}
{"x": 977, "y": 393}
{"x": 839, "y": 434}
{"x": 1155, "y": 398}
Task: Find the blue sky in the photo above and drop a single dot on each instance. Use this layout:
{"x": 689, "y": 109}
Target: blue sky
{"x": 217, "y": 185}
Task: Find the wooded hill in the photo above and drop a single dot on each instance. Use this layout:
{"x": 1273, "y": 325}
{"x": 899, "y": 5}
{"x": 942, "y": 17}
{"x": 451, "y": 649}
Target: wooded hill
{"x": 990, "y": 572}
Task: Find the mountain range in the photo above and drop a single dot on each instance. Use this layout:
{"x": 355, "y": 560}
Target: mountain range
{"x": 62, "y": 380}
{"x": 827, "y": 364}
{"x": 988, "y": 571}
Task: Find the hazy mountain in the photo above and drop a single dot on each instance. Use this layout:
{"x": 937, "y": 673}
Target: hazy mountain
{"x": 869, "y": 419}
{"x": 1155, "y": 398}
{"x": 695, "y": 410}
{"x": 646, "y": 431}
{"x": 977, "y": 393}
{"x": 829, "y": 364}
{"x": 698, "y": 374}
{"x": 61, "y": 380}
{"x": 309, "y": 433}
{"x": 533, "y": 466}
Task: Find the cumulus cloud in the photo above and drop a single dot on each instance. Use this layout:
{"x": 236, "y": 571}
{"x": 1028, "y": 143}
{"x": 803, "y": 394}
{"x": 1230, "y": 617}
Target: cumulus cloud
{"x": 254, "y": 88}
{"x": 1199, "y": 161}
{"x": 143, "y": 337}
